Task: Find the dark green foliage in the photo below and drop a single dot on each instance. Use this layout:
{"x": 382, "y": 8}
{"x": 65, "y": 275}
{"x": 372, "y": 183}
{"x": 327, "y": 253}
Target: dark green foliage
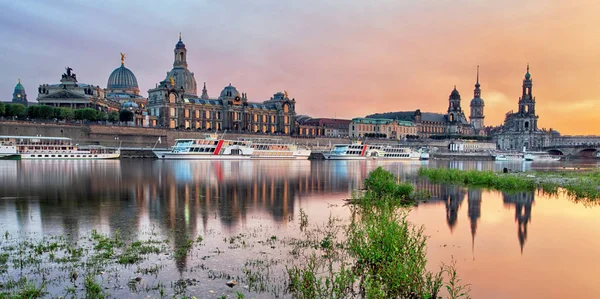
{"x": 16, "y": 110}
{"x": 382, "y": 183}
{"x": 113, "y": 116}
{"x": 2, "y": 109}
{"x": 126, "y": 115}
{"x": 85, "y": 114}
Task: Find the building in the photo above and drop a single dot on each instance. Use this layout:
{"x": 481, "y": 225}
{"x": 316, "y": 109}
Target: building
{"x": 520, "y": 129}
{"x": 382, "y": 128}
{"x": 174, "y": 103}
{"x": 452, "y": 123}
{"x": 19, "y": 95}
{"x": 326, "y": 127}
{"x": 72, "y": 94}
{"x": 122, "y": 86}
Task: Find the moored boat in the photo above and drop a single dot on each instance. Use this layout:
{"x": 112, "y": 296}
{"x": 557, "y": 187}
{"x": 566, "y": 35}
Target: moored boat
{"x": 509, "y": 156}
{"x": 214, "y": 148}
{"x": 8, "y": 151}
{"x": 540, "y": 157}
{"x": 53, "y": 148}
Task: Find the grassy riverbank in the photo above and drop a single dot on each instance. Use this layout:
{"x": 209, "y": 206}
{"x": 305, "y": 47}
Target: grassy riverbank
{"x": 579, "y": 185}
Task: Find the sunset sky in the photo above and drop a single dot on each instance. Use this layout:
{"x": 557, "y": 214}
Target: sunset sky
{"x": 343, "y": 59}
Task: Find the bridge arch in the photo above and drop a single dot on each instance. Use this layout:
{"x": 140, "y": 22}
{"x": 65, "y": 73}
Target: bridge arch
{"x": 556, "y": 152}
{"x": 587, "y": 153}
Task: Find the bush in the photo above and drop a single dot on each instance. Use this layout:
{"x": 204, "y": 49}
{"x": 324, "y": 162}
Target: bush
{"x": 16, "y": 110}
{"x": 85, "y": 114}
{"x": 2, "y": 109}
{"x": 126, "y": 115}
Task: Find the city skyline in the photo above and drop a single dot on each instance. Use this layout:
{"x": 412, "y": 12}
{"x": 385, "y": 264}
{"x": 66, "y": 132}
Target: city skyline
{"x": 340, "y": 59}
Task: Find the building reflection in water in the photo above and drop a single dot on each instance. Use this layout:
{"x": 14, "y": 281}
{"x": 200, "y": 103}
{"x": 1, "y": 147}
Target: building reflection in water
{"x": 182, "y": 199}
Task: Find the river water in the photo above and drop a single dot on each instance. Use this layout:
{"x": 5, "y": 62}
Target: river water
{"x": 523, "y": 245}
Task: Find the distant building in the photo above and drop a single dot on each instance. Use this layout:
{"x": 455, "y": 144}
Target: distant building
{"x": 19, "y": 95}
{"x": 520, "y": 129}
{"x": 453, "y": 122}
{"x": 174, "y": 103}
{"x": 72, "y": 94}
{"x": 382, "y": 128}
{"x": 326, "y": 127}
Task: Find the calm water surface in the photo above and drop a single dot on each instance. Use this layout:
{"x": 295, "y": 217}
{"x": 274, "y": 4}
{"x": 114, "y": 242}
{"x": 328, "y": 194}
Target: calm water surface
{"x": 523, "y": 245}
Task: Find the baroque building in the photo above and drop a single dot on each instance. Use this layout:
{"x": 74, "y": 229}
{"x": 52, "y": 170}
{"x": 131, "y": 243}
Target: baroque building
{"x": 382, "y": 128}
{"x": 174, "y": 103}
{"x": 520, "y": 129}
{"x": 19, "y": 95}
{"x": 122, "y": 87}
{"x": 70, "y": 93}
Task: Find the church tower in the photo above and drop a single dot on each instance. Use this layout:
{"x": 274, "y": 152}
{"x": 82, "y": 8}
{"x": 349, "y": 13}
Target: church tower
{"x": 455, "y": 114}
{"x": 527, "y": 106}
{"x": 204, "y": 92}
{"x": 477, "y": 106}
{"x": 180, "y": 54}
{"x": 19, "y": 95}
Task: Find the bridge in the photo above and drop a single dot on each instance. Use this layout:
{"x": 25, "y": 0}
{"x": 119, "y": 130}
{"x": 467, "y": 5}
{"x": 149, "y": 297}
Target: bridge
{"x": 574, "y": 146}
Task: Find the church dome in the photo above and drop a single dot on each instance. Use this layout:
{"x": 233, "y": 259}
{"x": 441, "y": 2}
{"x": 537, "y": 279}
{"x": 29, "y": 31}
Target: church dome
{"x": 455, "y": 94}
{"x": 183, "y": 77}
{"x": 122, "y": 78}
{"x": 129, "y": 104}
{"x": 180, "y": 44}
{"x": 19, "y": 87}
{"x": 229, "y": 91}
{"x": 477, "y": 102}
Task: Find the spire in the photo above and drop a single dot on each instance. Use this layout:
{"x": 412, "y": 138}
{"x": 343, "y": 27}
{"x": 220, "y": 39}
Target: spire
{"x": 477, "y": 75}
{"x": 477, "y": 91}
{"x": 179, "y": 36}
{"x": 204, "y": 92}
{"x": 19, "y": 81}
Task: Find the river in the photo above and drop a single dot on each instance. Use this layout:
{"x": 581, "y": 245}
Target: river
{"x": 523, "y": 245}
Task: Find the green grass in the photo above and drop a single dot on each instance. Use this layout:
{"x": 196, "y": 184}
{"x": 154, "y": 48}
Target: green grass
{"x": 580, "y": 186}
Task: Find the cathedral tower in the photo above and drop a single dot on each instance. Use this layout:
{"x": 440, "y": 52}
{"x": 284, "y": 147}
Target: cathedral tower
{"x": 19, "y": 95}
{"x": 477, "y": 106}
{"x": 527, "y": 105}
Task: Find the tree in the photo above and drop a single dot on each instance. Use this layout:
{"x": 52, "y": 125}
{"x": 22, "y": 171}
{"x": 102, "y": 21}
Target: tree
{"x": 126, "y": 115}
{"x": 113, "y": 116}
{"x": 63, "y": 113}
{"x": 2, "y": 109}
{"x": 16, "y": 110}
{"x": 33, "y": 111}
{"x": 102, "y": 116}
{"x": 45, "y": 112}
{"x": 85, "y": 114}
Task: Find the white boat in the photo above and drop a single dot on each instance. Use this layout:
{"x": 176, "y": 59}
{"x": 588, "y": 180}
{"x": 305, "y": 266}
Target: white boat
{"x": 509, "y": 156}
{"x": 8, "y": 151}
{"x": 424, "y": 156}
{"x": 354, "y": 151}
{"x": 53, "y": 148}
{"x": 540, "y": 157}
{"x": 392, "y": 152}
{"x": 214, "y": 148}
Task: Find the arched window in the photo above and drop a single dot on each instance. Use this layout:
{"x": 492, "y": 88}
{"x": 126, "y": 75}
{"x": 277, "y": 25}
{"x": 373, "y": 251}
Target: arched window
{"x": 286, "y": 108}
{"x": 451, "y": 117}
{"x": 181, "y": 56}
{"x": 526, "y": 125}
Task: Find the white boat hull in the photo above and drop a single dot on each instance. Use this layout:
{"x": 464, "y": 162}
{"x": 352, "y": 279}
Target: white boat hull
{"x": 343, "y": 157}
{"x": 69, "y": 156}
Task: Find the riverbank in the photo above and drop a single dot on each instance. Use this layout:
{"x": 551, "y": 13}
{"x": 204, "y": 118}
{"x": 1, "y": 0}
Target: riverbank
{"x": 579, "y": 185}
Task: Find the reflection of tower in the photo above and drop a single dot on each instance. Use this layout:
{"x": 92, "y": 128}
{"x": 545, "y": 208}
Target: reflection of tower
{"x": 474, "y": 212}
{"x": 523, "y": 202}
{"x": 453, "y": 197}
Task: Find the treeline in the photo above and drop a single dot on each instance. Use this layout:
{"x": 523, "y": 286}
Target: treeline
{"x": 43, "y": 112}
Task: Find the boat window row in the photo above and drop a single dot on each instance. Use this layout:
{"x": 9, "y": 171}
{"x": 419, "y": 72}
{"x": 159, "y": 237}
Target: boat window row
{"x": 397, "y": 155}
{"x": 270, "y": 147}
{"x": 202, "y": 150}
{"x": 64, "y": 156}
{"x": 353, "y": 152}
{"x": 272, "y": 154}
{"x": 396, "y": 150}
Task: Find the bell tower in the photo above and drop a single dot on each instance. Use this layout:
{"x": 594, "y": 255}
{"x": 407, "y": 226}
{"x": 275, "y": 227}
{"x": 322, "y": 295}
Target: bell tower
{"x": 477, "y": 106}
{"x": 180, "y": 54}
{"x": 527, "y": 106}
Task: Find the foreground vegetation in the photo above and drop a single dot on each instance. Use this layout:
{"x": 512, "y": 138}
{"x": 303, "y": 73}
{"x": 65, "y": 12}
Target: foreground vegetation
{"x": 380, "y": 254}
{"x": 580, "y": 185}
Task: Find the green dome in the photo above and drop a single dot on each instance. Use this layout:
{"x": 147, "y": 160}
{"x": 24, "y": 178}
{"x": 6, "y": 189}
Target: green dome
{"x": 19, "y": 87}
{"x": 527, "y": 75}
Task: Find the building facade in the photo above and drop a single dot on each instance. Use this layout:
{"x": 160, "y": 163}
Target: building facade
{"x": 381, "y": 128}
{"x": 520, "y": 129}
{"x": 325, "y": 127}
{"x": 70, "y": 93}
{"x": 174, "y": 103}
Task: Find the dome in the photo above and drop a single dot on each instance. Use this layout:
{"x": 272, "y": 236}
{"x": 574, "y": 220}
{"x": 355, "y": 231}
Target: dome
{"x": 527, "y": 75}
{"x": 19, "y": 87}
{"x": 129, "y": 104}
{"x": 477, "y": 102}
{"x": 455, "y": 94}
{"x": 183, "y": 77}
{"x": 229, "y": 91}
{"x": 180, "y": 44}
{"x": 122, "y": 78}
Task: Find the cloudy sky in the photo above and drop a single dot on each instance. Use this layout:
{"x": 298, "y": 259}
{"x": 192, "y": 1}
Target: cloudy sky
{"x": 343, "y": 59}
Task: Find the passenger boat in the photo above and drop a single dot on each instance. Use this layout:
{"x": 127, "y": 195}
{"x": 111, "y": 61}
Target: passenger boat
{"x": 359, "y": 151}
{"x": 53, "y": 148}
{"x": 509, "y": 156}
{"x": 8, "y": 151}
{"x": 540, "y": 157}
{"x": 354, "y": 151}
{"x": 214, "y": 148}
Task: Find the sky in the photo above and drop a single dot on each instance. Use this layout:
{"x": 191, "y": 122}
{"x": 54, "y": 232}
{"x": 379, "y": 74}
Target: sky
{"x": 337, "y": 58}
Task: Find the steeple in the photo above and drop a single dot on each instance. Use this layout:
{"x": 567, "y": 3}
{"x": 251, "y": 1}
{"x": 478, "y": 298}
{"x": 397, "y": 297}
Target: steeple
{"x": 19, "y": 95}
{"x": 204, "y": 92}
{"x": 477, "y": 91}
{"x": 180, "y": 54}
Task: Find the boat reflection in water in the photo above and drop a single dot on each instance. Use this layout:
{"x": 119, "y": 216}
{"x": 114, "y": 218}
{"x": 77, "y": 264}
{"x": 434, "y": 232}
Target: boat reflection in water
{"x": 490, "y": 233}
